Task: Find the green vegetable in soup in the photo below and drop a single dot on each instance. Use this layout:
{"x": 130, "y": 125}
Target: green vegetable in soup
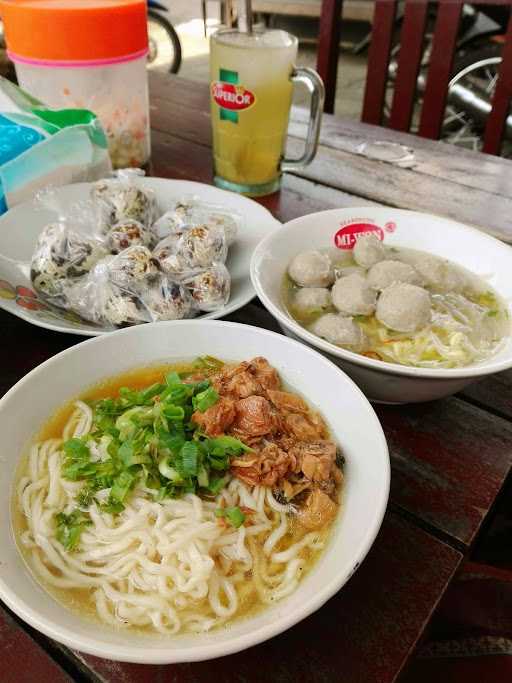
{"x": 147, "y": 438}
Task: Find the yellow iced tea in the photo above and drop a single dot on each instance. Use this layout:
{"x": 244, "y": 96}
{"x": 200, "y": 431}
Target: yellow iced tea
{"x": 251, "y": 93}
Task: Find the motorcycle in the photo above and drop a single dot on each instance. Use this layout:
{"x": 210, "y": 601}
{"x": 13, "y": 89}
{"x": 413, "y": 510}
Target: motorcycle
{"x": 474, "y": 74}
{"x": 164, "y": 44}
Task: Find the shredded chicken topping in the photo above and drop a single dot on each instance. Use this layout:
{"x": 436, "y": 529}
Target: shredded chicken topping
{"x": 292, "y": 452}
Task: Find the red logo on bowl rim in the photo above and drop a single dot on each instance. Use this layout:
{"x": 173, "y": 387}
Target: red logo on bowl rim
{"x": 348, "y": 235}
{"x": 233, "y": 97}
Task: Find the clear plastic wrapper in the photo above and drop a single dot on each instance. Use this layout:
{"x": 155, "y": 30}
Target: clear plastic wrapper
{"x": 129, "y": 289}
{"x": 104, "y": 302}
{"x": 211, "y": 288}
{"x": 167, "y": 300}
{"x": 190, "y": 211}
{"x": 191, "y": 249}
{"x": 134, "y": 266}
{"x": 62, "y": 256}
{"x": 119, "y": 198}
{"x": 128, "y": 233}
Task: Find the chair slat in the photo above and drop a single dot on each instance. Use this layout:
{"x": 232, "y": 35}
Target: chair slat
{"x": 495, "y": 126}
{"x": 440, "y": 69}
{"x": 378, "y": 61}
{"x": 328, "y": 49}
{"x": 409, "y": 62}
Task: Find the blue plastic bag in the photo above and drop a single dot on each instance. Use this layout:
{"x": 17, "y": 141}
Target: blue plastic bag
{"x": 41, "y": 147}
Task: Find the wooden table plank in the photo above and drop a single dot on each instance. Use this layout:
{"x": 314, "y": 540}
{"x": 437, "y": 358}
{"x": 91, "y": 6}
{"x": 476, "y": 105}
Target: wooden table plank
{"x": 449, "y": 461}
{"x": 363, "y": 634}
{"x": 493, "y": 393}
{"x": 431, "y": 157}
{"x": 174, "y": 96}
{"x": 297, "y": 197}
{"x": 22, "y": 660}
{"x": 440, "y": 181}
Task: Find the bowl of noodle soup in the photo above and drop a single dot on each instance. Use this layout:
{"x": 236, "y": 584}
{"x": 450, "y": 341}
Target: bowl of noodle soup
{"x": 135, "y": 573}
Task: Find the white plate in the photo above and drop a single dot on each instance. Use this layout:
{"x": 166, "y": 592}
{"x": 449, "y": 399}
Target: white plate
{"x": 20, "y": 227}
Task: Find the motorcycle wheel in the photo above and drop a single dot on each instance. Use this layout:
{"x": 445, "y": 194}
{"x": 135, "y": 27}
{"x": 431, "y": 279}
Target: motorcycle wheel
{"x": 476, "y": 70}
{"x": 164, "y": 44}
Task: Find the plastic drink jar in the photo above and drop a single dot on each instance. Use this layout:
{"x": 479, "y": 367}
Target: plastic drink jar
{"x": 87, "y": 54}
{"x": 252, "y": 78}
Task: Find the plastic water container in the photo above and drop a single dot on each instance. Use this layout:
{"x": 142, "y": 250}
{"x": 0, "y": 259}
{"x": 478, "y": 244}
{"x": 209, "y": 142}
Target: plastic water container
{"x": 87, "y": 54}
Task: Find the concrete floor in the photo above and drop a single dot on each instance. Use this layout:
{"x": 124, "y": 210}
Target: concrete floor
{"x": 186, "y": 17}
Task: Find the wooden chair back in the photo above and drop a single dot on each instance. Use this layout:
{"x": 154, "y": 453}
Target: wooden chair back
{"x": 412, "y": 38}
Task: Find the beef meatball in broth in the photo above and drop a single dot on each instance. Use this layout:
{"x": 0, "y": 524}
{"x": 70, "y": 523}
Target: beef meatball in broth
{"x": 404, "y": 307}
{"x": 368, "y": 250}
{"x": 386, "y": 273}
{"x": 353, "y": 296}
{"x": 312, "y": 299}
{"x": 435, "y": 272}
{"x": 312, "y": 269}
{"x": 340, "y": 330}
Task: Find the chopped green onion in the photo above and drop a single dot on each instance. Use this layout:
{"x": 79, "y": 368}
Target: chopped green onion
{"x": 70, "y": 527}
{"x": 205, "y": 399}
{"x": 189, "y": 455}
{"x": 234, "y": 515}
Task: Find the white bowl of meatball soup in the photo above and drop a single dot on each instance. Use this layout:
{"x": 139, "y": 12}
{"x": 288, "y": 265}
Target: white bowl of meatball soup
{"x": 413, "y": 307}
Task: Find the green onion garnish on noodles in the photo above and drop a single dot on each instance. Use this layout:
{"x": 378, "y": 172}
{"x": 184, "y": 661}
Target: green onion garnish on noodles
{"x": 234, "y": 515}
{"x": 147, "y": 438}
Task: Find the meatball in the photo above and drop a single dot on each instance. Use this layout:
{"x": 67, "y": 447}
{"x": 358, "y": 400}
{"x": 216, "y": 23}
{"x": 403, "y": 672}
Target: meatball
{"x": 118, "y": 199}
{"x": 310, "y": 299}
{"x": 344, "y": 270}
{"x": 129, "y": 233}
{"x": 368, "y": 250}
{"x": 352, "y": 295}
{"x": 210, "y": 289}
{"x": 386, "y": 273}
{"x": 312, "y": 269}
{"x": 340, "y": 330}
{"x": 61, "y": 256}
{"x": 436, "y": 273}
{"x": 404, "y": 307}
{"x": 167, "y": 300}
{"x": 133, "y": 265}
{"x": 191, "y": 250}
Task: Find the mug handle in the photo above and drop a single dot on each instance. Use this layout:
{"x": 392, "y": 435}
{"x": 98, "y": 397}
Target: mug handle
{"x": 315, "y": 87}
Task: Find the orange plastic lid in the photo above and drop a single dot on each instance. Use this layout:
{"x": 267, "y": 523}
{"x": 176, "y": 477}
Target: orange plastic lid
{"x": 74, "y": 30}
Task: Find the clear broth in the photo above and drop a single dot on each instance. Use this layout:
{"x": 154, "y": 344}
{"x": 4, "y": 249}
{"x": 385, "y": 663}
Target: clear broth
{"x": 477, "y": 290}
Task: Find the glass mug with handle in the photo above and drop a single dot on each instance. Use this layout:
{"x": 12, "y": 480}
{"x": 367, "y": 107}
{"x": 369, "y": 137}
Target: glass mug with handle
{"x": 252, "y": 77}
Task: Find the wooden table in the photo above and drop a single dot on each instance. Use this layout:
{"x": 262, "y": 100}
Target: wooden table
{"x": 449, "y": 459}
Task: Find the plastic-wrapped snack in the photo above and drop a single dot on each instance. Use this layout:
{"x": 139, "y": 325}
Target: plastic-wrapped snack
{"x": 117, "y": 199}
{"x": 167, "y": 300}
{"x": 191, "y": 250}
{"x": 102, "y": 301}
{"x": 173, "y": 220}
{"x": 128, "y": 233}
{"x": 217, "y": 217}
{"x": 133, "y": 266}
{"x": 62, "y": 255}
{"x": 210, "y": 289}
{"x": 193, "y": 211}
